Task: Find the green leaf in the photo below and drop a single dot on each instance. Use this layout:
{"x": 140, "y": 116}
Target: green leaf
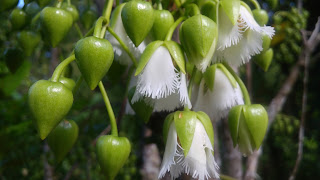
{"x": 146, "y": 55}
{"x": 234, "y": 121}
{"x": 185, "y": 122}
{"x": 207, "y": 124}
{"x": 232, "y": 9}
{"x": 177, "y": 54}
{"x": 116, "y": 13}
{"x": 257, "y": 121}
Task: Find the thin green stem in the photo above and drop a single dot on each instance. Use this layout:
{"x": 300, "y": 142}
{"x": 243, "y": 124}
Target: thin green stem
{"x": 89, "y": 32}
{"x": 159, "y": 5}
{"x": 217, "y": 12}
{"x": 107, "y": 9}
{"x": 113, "y": 122}
{"x": 173, "y": 27}
{"x": 133, "y": 59}
{"x": 59, "y": 4}
{"x": 57, "y": 72}
{"x": 35, "y": 19}
{"x": 98, "y": 26}
{"x": 103, "y": 31}
{"x": 243, "y": 88}
{"x": 178, "y": 4}
{"x": 256, "y": 4}
{"x": 78, "y": 30}
{"x": 77, "y": 86}
{"x": 69, "y": 2}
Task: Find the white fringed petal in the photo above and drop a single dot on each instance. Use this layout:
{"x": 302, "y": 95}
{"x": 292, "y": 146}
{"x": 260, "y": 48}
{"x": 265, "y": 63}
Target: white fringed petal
{"x": 119, "y": 52}
{"x": 199, "y": 162}
{"x": 229, "y": 34}
{"x": 159, "y": 78}
{"x": 237, "y": 44}
{"x": 183, "y": 91}
{"x": 170, "y": 151}
{"x": 218, "y": 102}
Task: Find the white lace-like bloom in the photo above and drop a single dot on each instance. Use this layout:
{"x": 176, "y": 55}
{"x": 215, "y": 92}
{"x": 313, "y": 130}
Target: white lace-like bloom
{"x": 238, "y": 43}
{"x": 119, "y": 52}
{"x": 160, "y": 84}
{"x": 199, "y": 162}
{"x": 218, "y": 102}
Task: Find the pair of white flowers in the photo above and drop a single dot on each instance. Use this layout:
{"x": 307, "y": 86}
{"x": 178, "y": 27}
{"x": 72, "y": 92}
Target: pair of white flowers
{"x": 165, "y": 88}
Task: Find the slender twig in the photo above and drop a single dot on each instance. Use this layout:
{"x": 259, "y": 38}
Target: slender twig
{"x": 310, "y": 45}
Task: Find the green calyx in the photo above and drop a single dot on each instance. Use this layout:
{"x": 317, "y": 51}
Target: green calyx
{"x": 198, "y": 36}
{"x": 264, "y": 59}
{"x": 174, "y": 49}
{"x": 62, "y": 138}
{"x": 49, "y": 102}
{"x": 137, "y": 18}
{"x": 141, "y": 108}
{"x": 94, "y": 57}
{"x": 163, "y": 20}
{"x": 112, "y": 153}
{"x": 209, "y": 75}
{"x": 18, "y": 19}
{"x": 185, "y": 124}
{"x": 248, "y": 125}
{"x": 55, "y": 24}
{"x": 232, "y": 9}
{"x": 28, "y": 40}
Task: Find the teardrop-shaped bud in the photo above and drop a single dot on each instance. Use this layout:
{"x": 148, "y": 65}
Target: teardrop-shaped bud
{"x": 55, "y": 24}
{"x": 198, "y": 36}
{"x": 248, "y": 125}
{"x": 266, "y": 41}
{"x": 94, "y": 57}
{"x": 140, "y": 107}
{"x": 62, "y": 138}
{"x": 28, "y": 40}
{"x": 72, "y": 10}
{"x": 137, "y": 18}
{"x": 18, "y": 19}
{"x": 88, "y": 18}
{"x": 112, "y": 153}
{"x": 49, "y": 103}
{"x": 7, "y": 4}
{"x": 261, "y": 16}
{"x": 43, "y": 3}
{"x": 209, "y": 9}
{"x": 163, "y": 20}
{"x": 264, "y": 59}
{"x": 13, "y": 58}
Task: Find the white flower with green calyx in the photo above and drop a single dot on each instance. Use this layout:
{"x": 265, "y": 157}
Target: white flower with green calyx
{"x": 218, "y": 92}
{"x": 160, "y": 83}
{"x": 189, "y": 146}
{"x": 199, "y": 36}
{"x": 241, "y": 39}
{"x": 117, "y": 26}
{"x": 248, "y": 125}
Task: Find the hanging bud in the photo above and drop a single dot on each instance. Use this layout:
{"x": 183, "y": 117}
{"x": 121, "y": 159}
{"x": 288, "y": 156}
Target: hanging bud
{"x": 163, "y": 20}
{"x": 261, "y": 16}
{"x": 189, "y": 145}
{"x": 137, "y": 18}
{"x": 198, "y": 36}
{"x": 264, "y": 59}
{"x": 112, "y": 153}
{"x": 209, "y": 9}
{"x": 62, "y": 138}
{"x": 248, "y": 125}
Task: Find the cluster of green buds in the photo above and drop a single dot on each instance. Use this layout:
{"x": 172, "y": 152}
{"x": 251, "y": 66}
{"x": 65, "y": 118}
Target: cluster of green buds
{"x": 191, "y": 71}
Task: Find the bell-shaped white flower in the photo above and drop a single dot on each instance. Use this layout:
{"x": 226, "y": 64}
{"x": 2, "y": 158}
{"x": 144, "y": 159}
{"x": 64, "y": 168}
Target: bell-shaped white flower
{"x": 238, "y": 43}
{"x": 217, "y": 102}
{"x": 160, "y": 83}
{"x": 197, "y": 160}
{"x": 117, "y": 26}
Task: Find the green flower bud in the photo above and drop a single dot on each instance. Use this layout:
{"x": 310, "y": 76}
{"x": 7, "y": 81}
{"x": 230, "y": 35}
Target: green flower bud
{"x": 163, "y": 20}
{"x": 112, "y": 153}
{"x": 264, "y": 59}
{"x": 248, "y": 125}
{"x": 261, "y": 16}
{"x": 198, "y": 36}
{"x": 141, "y": 108}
